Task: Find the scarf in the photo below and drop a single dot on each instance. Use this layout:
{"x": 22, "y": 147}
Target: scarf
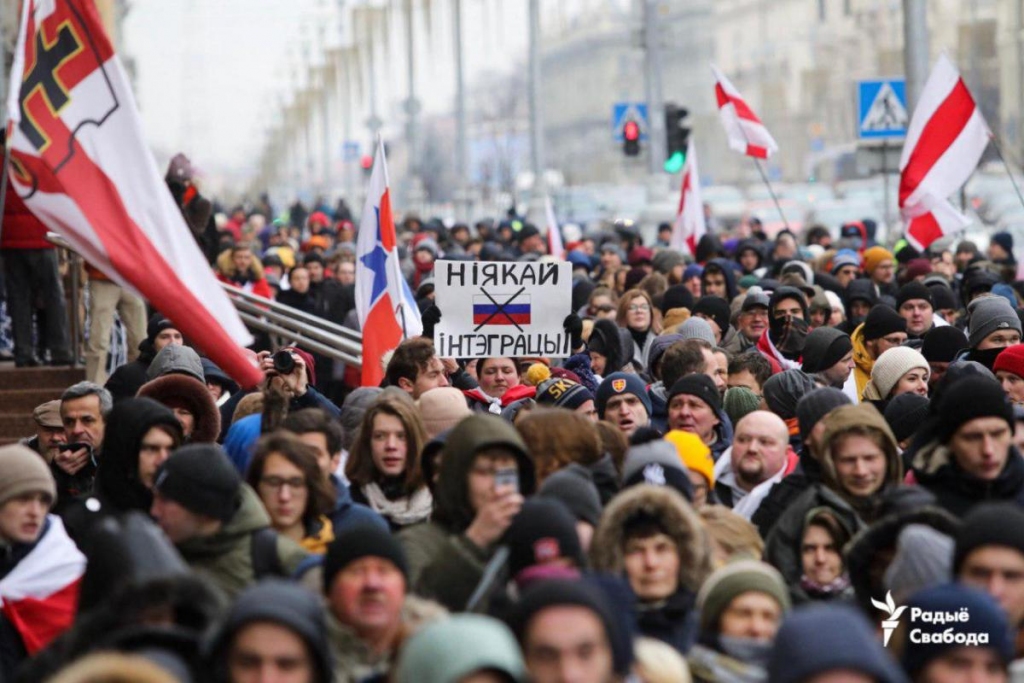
{"x": 774, "y": 356}
{"x": 402, "y": 511}
{"x": 834, "y": 587}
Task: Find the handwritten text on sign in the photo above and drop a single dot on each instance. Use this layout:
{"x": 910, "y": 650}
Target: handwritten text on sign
{"x": 502, "y": 309}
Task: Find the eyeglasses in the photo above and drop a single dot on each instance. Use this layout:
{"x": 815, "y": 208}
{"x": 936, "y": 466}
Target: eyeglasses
{"x": 895, "y": 341}
{"x": 633, "y": 308}
{"x": 278, "y": 483}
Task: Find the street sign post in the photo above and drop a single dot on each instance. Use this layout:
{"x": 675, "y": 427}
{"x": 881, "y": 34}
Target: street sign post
{"x": 629, "y": 111}
{"x": 882, "y": 109}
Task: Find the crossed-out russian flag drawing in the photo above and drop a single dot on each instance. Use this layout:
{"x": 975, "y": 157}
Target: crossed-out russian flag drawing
{"x": 485, "y": 311}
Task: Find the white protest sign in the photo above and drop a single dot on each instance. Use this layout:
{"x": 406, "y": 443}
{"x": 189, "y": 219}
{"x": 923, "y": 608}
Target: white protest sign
{"x": 502, "y": 309}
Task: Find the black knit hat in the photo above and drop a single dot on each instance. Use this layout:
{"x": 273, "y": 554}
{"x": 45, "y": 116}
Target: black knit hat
{"x": 158, "y": 322}
{"x": 200, "y": 478}
{"x": 815, "y": 405}
{"x": 943, "y": 297}
{"x": 716, "y": 308}
{"x": 969, "y": 399}
{"x": 942, "y": 344}
{"x": 906, "y": 414}
{"x": 999, "y": 524}
{"x": 542, "y": 531}
{"x": 699, "y": 385}
{"x": 574, "y": 487}
{"x": 787, "y": 293}
{"x": 882, "y": 320}
{"x": 676, "y": 296}
{"x": 358, "y": 542}
{"x": 825, "y": 347}
{"x": 914, "y": 290}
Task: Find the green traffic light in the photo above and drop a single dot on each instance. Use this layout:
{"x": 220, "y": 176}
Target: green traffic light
{"x": 674, "y": 164}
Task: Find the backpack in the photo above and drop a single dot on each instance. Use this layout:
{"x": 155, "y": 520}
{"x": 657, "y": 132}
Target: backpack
{"x": 265, "y": 559}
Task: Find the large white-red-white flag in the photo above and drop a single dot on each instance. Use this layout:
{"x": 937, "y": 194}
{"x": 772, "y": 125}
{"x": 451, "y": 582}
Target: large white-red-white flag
{"x": 79, "y": 161}
{"x": 945, "y": 141}
{"x": 744, "y": 129}
{"x": 689, "y": 225}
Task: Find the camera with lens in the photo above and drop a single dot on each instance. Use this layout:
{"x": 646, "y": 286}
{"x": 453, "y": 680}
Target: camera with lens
{"x": 284, "y": 362}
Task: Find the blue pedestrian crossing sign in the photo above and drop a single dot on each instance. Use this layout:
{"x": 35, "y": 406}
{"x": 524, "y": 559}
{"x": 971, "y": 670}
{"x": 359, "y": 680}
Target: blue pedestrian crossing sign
{"x": 628, "y": 111}
{"x": 882, "y": 108}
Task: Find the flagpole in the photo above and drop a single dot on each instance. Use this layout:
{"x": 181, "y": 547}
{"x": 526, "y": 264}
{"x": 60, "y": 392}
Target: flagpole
{"x": 1013, "y": 181}
{"x": 764, "y": 177}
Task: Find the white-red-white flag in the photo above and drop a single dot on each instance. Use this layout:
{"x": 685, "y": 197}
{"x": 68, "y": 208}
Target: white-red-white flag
{"x": 79, "y": 161}
{"x": 744, "y": 129}
{"x": 555, "y": 246}
{"x": 945, "y": 141}
{"x": 689, "y": 225}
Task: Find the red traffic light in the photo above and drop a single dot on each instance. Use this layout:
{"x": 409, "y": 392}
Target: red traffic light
{"x": 366, "y": 162}
{"x": 631, "y": 131}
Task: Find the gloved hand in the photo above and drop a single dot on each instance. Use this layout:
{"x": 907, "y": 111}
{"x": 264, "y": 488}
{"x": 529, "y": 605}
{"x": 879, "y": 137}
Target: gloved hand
{"x": 430, "y": 318}
{"x": 574, "y": 326}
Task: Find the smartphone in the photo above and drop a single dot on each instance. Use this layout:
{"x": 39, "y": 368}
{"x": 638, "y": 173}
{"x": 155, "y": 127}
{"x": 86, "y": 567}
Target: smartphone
{"x": 507, "y": 478}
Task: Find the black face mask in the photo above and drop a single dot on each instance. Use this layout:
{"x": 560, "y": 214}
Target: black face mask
{"x": 789, "y": 335}
{"x": 986, "y": 357}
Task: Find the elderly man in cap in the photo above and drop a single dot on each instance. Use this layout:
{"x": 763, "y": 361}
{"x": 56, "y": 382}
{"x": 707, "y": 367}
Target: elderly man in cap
{"x": 751, "y": 323}
{"x": 49, "y": 430}
{"x": 694, "y": 405}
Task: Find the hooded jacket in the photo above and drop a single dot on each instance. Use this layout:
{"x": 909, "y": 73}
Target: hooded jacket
{"x": 226, "y": 556}
{"x": 174, "y": 388}
{"x": 935, "y": 468}
{"x": 444, "y": 564}
{"x": 727, "y": 267}
{"x": 673, "y": 621}
{"x": 750, "y": 245}
{"x": 864, "y": 361}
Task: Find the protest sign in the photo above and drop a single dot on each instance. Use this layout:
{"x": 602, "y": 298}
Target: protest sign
{"x": 502, "y": 309}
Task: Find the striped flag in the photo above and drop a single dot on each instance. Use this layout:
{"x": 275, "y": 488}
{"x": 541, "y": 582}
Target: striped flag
{"x": 555, "y": 246}
{"x": 80, "y": 163}
{"x": 744, "y": 129}
{"x": 387, "y": 308}
{"x": 689, "y": 225}
{"x": 944, "y": 144}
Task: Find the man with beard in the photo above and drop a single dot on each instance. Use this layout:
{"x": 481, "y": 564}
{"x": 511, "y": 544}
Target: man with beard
{"x": 758, "y": 459}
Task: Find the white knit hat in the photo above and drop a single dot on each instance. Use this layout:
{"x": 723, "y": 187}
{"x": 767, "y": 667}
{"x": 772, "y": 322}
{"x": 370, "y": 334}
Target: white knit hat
{"x": 442, "y": 408}
{"x": 888, "y": 369}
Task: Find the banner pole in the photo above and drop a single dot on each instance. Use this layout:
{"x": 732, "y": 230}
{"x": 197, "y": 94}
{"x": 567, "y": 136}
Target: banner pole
{"x": 771, "y": 191}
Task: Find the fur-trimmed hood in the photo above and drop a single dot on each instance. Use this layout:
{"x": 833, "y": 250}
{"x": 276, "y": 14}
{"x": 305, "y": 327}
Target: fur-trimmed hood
{"x": 177, "y": 389}
{"x": 226, "y": 267}
{"x": 676, "y": 515}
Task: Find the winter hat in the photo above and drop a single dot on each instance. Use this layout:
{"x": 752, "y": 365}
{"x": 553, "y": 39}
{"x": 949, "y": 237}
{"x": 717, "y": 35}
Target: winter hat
{"x": 918, "y": 267}
{"x": 874, "y": 257}
{"x": 987, "y": 315}
{"x": 621, "y": 383}
{"x": 845, "y": 258}
{"x": 888, "y": 369}
{"x": 882, "y": 321}
{"x": 905, "y": 414}
{"x": 861, "y": 290}
{"x": 942, "y": 344}
{"x": 634, "y": 277}
{"x": 278, "y": 602}
{"x": 23, "y": 471}
{"x": 784, "y": 390}
{"x": 815, "y": 405}
{"x": 716, "y": 308}
{"x": 200, "y": 478}
{"x": 542, "y": 531}
{"x": 562, "y": 393}
{"x": 824, "y": 347}
{"x": 428, "y": 245}
{"x": 640, "y": 256}
{"x": 697, "y": 328}
{"x": 693, "y": 270}
{"x": 176, "y": 358}
{"x": 1004, "y": 240}
{"x": 656, "y": 463}
{"x": 676, "y": 296}
{"x": 1011, "y": 359}
{"x": 158, "y": 322}
{"x": 943, "y": 297}
{"x": 782, "y": 293}
{"x": 359, "y": 542}
{"x": 755, "y": 300}
{"x": 694, "y": 454}
{"x": 666, "y": 260}
{"x": 824, "y": 637}
{"x": 913, "y": 291}
{"x": 969, "y": 399}
{"x": 739, "y": 401}
{"x": 924, "y": 558}
{"x": 699, "y": 385}
{"x": 455, "y": 648}
{"x": 736, "y": 578}
{"x": 442, "y": 408}
{"x": 604, "y": 339}
{"x": 213, "y": 373}
{"x": 986, "y": 617}
{"x": 48, "y": 415}
{"x": 574, "y": 487}
{"x": 989, "y": 524}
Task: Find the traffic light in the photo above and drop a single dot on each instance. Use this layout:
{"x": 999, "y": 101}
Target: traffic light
{"x": 631, "y": 138}
{"x": 677, "y": 134}
{"x": 366, "y": 163}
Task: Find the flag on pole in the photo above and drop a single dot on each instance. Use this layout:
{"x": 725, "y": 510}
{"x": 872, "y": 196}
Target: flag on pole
{"x": 555, "y": 246}
{"x": 387, "y": 308}
{"x": 944, "y": 144}
{"x": 744, "y": 129}
{"x": 80, "y": 163}
{"x": 689, "y": 225}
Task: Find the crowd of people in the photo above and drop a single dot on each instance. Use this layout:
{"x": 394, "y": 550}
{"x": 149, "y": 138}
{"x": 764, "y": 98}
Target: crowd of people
{"x": 791, "y": 459}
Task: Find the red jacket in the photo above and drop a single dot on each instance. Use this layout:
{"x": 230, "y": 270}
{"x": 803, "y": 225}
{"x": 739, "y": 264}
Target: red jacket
{"x": 21, "y": 229}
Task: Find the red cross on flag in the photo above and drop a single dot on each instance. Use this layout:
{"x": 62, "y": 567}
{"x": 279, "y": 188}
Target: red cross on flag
{"x": 945, "y": 141}
{"x": 744, "y": 129}
{"x": 79, "y": 161}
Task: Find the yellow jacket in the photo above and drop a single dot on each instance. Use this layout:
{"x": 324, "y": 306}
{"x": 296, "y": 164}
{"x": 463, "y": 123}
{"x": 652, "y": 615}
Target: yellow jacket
{"x": 863, "y": 359}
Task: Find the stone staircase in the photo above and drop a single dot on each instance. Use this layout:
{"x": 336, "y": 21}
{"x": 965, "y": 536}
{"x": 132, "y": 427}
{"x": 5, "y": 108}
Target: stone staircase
{"x": 22, "y": 389}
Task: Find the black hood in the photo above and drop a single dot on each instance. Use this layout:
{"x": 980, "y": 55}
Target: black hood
{"x": 727, "y": 268}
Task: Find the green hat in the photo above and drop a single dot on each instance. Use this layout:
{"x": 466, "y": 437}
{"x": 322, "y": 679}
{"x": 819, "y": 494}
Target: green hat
{"x": 738, "y": 402}
{"x": 736, "y": 578}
